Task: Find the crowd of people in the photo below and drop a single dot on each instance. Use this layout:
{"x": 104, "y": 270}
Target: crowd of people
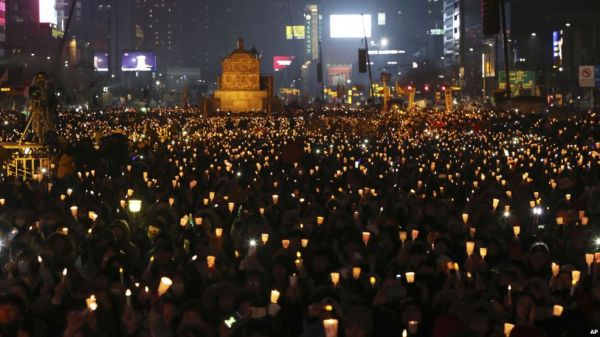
{"x": 344, "y": 223}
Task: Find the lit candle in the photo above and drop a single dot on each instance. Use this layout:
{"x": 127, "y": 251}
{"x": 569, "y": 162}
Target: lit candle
{"x": 264, "y": 238}
{"x": 320, "y": 220}
{"x": 517, "y": 231}
{"x": 457, "y": 269}
{"x": 589, "y": 259}
{"x": 414, "y": 234}
{"x": 304, "y": 243}
{"x": 465, "y": 218}
{"x": 575, "y": 274}
{"x": 218, "y": 232}
{"x": 403, "y": 235}
{"x": 557, "y": 310}
{"x": 335, "y": 278}
{"x": 372, "y": 281}
{"x": 412, "y": 326}
{"x": 165, "y": 284}
{"x": 151, "y": 262}
{"x": 331, "y": 327}
{"x": 410, "y": 277}
{"x": 470, "y": 246}
{"x": 210, "y": 261}
{"x": 91, "y": 303}
{"x": 509, "y": 294}
{"x": 365, "y": 237}
{"x": 64, "y": 275}
{"x": 508, "y": 329}
{"x": 122, "y": 275}
{"x": 230, "y": 206}
{"x": 356, "y": 272}
{"x": 483, "y": 252}
{"x": 274, "y": 296}
{"x": 128, "y": 297}
{"x": 559, "y": 220}
{"x": 74, "y": 209}
{"x": 285, "y": 243}
{"x": 495, "y": 203}
{"x": 198, "y": 221}
{"x": 275, "y": 198}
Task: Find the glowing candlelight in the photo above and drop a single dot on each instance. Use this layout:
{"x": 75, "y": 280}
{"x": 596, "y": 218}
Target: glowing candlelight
{"x": 413, "y": 326}
{"x": 517, "y": 231}
{"x": 372, "y": 281}
{"x": 495, "y": 203}
{"x": 555, "y": 269}
{"x": 414, "y": 234}
{"x": 331, "y": 327}
{"x": 65, "y": 230}
{"x": 508, "y": 329}
{"x": 230, "y": 206}
{"x": 403, "y": 235}
{"x": 218, "y": 232}
{"x": 91, "y": 303}
{"x": 122, "y": 275}
{"x": 356, "y": 272}
{"x": 509, "y": 294}
{"x": 483, "y": 252}
{"x": 275, "y": 198}
{"x": 560, "y": 220}
{"x": 274, "y": 296}
{"x": 264, "y": 238}
{"x": 410, "y": 277}
{"x": 165, "y": 284}
{"x": 211, "y": 196}
{"x": 210, "y": 261}
{"x": 457, "y": 269}
{"x": 320, "y": 220}
{"x": 335, "y": 278}
{"x": 198, "y": 221}
{"x": 74, "y": 209}
{"x": 465, "y": 218}
{"x": 557, "y": 310}
{"x": 285, "y": 243}
{"x": 365, "y": 237}
{"x": 304, "y": 243}
{"x": 128, "y": 297}
{"x": 470, "y": 246}
{"x": 589, "y": 259}
{"x": 64, "y": 275}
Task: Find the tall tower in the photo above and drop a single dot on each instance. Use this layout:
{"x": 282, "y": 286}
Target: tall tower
{"x": 314, "y": 31}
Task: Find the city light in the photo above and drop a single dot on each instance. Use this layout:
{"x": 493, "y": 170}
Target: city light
{"x": 384, "y": 42}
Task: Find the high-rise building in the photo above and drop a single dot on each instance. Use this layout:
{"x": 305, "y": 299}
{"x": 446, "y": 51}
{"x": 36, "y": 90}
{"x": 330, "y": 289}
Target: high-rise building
{"x": 2, "y": 28}
{"x": 313, "y": 31}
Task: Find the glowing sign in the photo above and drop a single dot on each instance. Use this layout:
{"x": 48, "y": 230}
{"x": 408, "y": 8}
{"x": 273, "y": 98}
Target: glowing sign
{"x": 557, "y": 47}
{"x": 138, "y": 61}
{"x": 48, "y": 13}
{"x": 350, "y": 26}
{"x": 101, "y": 61}
{"x": 282, "y": 62}
{"x": 295, "y": 32}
